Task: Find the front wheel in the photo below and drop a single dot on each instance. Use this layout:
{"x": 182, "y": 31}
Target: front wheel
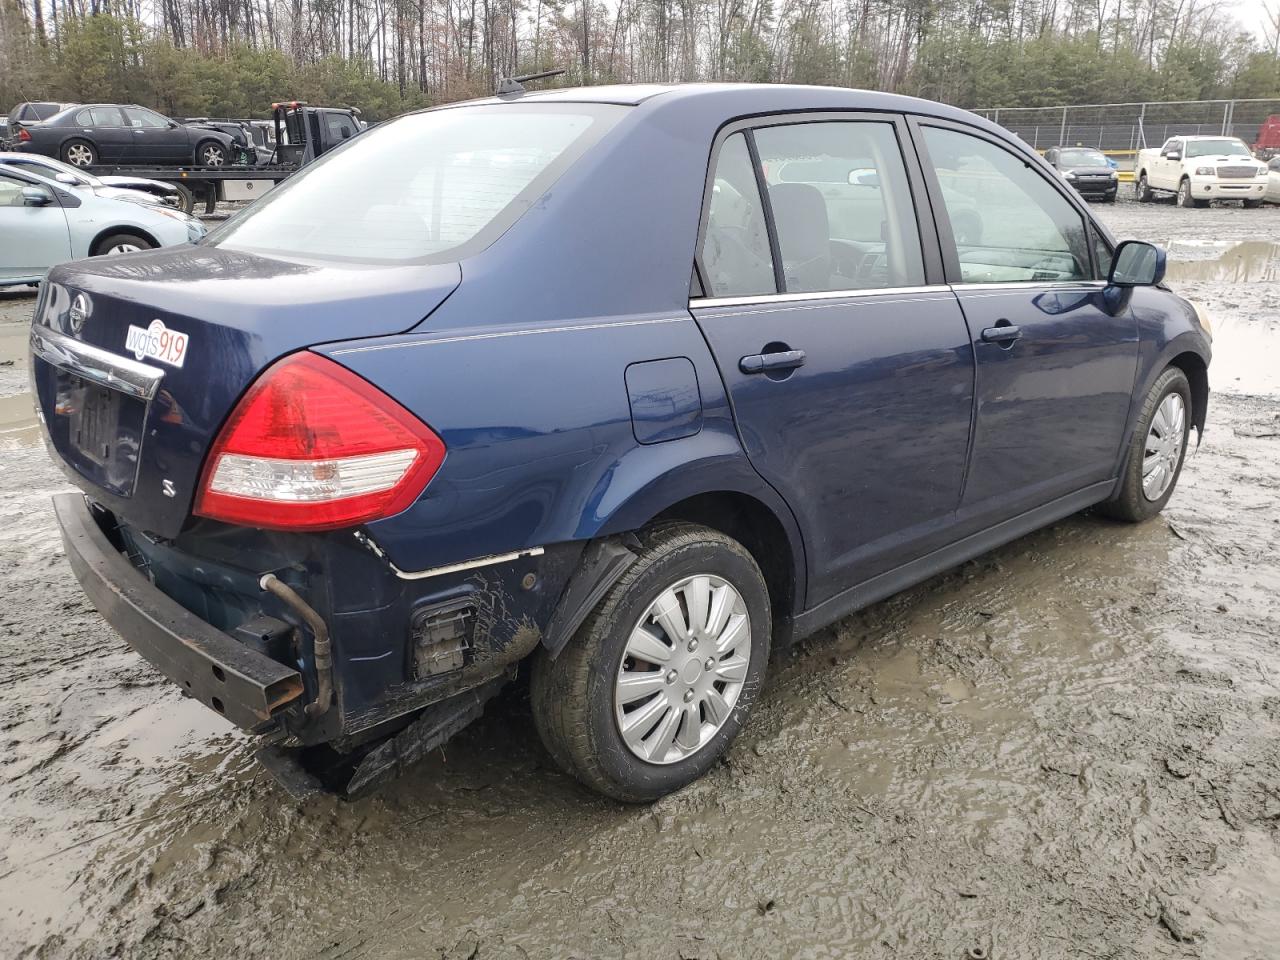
{"x": 1142, "y": 189}
{"x": 1184, "y": 198}
{"x": 211, "y": 155}
{"x": 118, "y": 243}
{"x": 1252, "y": 204}
{"x": 1157, "y": 450}
{"x": 657, "y": 682}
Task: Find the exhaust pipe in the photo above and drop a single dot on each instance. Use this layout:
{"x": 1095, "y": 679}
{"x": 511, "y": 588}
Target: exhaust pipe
{"x": 324, "y": 660}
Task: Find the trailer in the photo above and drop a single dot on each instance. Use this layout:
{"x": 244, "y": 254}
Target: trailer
{"x": 302, "y": 133}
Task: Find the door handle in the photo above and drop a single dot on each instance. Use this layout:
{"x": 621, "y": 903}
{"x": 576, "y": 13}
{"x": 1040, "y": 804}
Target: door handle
{"x": 763, "y": 362}
{"x": 1004, "y": 333}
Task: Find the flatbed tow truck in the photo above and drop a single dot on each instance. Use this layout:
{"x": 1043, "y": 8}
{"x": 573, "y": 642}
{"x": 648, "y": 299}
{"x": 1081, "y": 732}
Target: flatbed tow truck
{"x": 302, "y": 133}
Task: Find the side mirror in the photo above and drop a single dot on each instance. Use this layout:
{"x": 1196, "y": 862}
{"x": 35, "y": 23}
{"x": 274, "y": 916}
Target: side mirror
{"x": 1173, "y": 155}
{"x": 66, "y": 178}
{"x": 1137, "y": 264}
{"x": 36, "y": 197}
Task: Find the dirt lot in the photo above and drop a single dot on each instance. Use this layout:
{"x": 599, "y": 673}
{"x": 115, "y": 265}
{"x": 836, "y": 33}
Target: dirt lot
{"x": 1070, "y": 748}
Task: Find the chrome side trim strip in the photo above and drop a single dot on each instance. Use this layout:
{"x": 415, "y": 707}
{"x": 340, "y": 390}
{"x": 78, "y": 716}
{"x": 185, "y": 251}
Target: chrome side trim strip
{"x": 505, "y": 333}
{"x": 1032, "y": 285}
{"x": 769, "y": 298}
{"x": 365, "y": 539}
{"x": 131, "y": 377}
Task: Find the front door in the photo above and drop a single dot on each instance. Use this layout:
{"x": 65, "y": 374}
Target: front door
{"x": 32, "y": 239}
{"x": 155, "y": 139}
{"x": 104, "y": 127}
{"x": 1056, "y": 367}
{"x": 849, "y": 371}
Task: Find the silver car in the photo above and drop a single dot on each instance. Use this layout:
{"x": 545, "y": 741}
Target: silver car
{"x": 44, "y": 223}
{"x": 138, "y": 189}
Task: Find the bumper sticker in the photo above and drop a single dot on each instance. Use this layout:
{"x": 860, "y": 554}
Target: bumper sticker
{"x": 157, "y": 342}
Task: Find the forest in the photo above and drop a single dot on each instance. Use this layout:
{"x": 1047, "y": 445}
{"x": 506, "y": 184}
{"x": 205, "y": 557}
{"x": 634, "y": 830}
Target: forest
{"x": 233, "y": 57}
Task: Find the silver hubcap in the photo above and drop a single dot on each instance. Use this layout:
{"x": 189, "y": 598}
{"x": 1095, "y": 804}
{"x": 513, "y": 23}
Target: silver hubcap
{"x": 1163, "y": 448}
{"x": 79, "y": 155}
{"x": 1184, "y": 192}
{"x": 683, "y": 669}
{"x": 123, "y": 248}
{"x": 212, "y": 157}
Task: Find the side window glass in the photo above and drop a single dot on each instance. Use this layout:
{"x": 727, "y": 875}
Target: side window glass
{"x": 841, "y": 206}
{"x": 1102, "y": 253}
{"x": 1009, "y": 223}
{"x": 11, "y": 192}
{"x": 143, "y": 118}
{"x": 85, "y": 118}
{"x": 735, "y": 252}
{"x": 105, "y": 116}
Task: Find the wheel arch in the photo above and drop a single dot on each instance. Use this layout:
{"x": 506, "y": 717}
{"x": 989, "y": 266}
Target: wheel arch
{"x": 1197, "y": 371}
{"x": 127, "y": 228}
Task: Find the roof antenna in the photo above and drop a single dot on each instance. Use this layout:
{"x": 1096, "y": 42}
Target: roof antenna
{"x": 514, "y": 86}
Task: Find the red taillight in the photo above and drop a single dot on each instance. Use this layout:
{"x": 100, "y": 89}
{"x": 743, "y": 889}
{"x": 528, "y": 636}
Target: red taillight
{"x": 312, "y": 446}
{"x": 24, "y": 135}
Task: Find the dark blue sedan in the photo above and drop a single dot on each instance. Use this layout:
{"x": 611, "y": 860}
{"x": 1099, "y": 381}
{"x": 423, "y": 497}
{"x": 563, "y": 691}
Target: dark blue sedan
{"x": 630, "y": 383}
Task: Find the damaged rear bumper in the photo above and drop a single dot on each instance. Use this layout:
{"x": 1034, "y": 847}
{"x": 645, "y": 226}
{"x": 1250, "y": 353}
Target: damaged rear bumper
{"x": 245, "y": 686}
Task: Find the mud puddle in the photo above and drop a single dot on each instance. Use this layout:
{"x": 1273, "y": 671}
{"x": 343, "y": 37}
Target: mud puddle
{"x": 1247, "y": 261}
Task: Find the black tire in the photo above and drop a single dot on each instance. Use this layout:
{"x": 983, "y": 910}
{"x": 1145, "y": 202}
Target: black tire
{"x": 1252, "y": 204}
{"x": 1183, "y": 197}
{"x": 1131, "y": 503}
{"x": 79, "y": 153}
{"x": 1109, "y": 198}
{"x": 573, "y": 694}
{"x": 104, "y": 246}
{"x": 1142, "y": 189}
{"x": 186, "y": 200}
{"x": 210, "y": 153}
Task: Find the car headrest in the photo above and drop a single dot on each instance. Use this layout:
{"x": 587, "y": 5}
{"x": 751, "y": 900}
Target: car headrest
{"x": 800, "y": 214}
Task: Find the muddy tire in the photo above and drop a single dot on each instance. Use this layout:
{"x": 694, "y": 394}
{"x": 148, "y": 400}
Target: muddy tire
{"x": 1142, "y": 189}
{"x": 1159, "y": 441}
{"x": 636, "y": 729}
{"x": 1184, "y": 198}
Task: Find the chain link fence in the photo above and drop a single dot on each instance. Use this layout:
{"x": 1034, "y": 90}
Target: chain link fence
{"x": 1123, "y": 128}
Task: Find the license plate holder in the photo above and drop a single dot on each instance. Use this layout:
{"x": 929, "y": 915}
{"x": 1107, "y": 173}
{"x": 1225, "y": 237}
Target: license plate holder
{"x": 94, "y": 420}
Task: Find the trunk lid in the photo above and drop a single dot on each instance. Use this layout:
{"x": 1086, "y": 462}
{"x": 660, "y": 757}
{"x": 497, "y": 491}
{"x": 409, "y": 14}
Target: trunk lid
{"x": 138, "y": 360}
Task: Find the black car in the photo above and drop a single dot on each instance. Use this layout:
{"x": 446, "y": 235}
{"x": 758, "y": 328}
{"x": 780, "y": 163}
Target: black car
{"x": 1087, "y": 170}
{"x": 92, "y": 134}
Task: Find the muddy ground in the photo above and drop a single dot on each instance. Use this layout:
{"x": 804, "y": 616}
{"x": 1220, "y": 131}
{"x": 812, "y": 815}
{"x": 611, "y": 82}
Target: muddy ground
{"x": 1066, "y": 749}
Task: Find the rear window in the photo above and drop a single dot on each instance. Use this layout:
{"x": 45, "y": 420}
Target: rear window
{"x": 429, "y": 187}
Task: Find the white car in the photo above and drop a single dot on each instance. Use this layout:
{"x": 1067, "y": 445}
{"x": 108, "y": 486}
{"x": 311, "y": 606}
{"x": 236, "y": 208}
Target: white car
{"x": 1273, "y": 180}
{"x": 44, "y": 223}
{"x": 1199, "y": 169}
{"x": 137, "y": 189}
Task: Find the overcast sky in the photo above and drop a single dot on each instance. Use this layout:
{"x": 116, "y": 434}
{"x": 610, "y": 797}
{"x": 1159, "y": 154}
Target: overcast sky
{"x": 1252, "y": 15}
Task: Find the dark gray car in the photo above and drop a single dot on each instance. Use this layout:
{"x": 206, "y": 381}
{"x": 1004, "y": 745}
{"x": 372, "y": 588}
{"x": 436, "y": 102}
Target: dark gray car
{"x": 105, "y": 133}
{"x": 1087, "y": 170}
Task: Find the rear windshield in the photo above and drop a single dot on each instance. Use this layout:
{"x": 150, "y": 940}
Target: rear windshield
{"x": 428, "y": 187}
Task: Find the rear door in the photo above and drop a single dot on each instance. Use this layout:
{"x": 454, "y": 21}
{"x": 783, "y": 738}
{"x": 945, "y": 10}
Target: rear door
{"x": 32, "y": 239}
{"x": 1056, "y": 367}
{"x": 104, "y": 127}
{"x": 847, "y": 360}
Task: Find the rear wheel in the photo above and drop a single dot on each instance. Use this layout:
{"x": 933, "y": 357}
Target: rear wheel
{"x": 1157, "y": 450}
{"x": 79, "y": 153}
{"x": 118, "y": 243}
{"x": 657, "y": 682}
{"x": 1142, "y": 189}
{"x": 210, "y": 154}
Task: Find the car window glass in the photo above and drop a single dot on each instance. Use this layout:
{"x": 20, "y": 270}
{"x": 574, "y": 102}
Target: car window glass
{"x": 1008, "y": 221}
{"x": 339, "y": 127}
{"x": 1083, "y": 158}
{"x": 474, "y": 171}
{"x": 1213, "y": 148}
{"x": 144, "y": 118}
{"x": 841, "y": 206}
{"x": 11, "y": 192}
{"x": 103, "y": 117}
{"x": 1274, "y": 164}
{"x": 1102, "y": 253}
{"x": 735, "y": 250}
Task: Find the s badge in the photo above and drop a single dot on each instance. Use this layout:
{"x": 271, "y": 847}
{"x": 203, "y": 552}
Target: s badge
{"x": 167, "y": 487}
